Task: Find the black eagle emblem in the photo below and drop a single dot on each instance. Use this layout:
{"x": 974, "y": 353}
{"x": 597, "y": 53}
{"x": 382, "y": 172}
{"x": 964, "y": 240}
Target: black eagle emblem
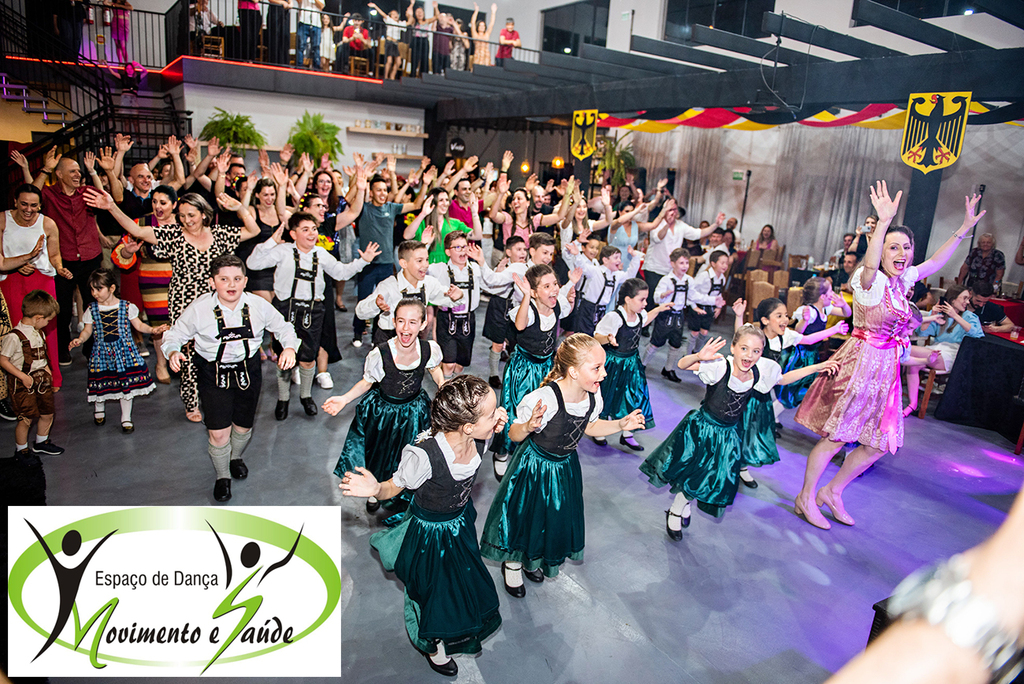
{"x": 934, "y": 139}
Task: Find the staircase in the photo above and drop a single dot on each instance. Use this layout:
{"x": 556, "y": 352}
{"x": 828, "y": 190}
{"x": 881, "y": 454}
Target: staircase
{"x": 31, "y": 104}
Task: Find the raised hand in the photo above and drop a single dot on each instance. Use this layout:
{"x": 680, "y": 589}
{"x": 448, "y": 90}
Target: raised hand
{"x": 264, "y": 159}
{"x": 370, "y": 253}
{"x": 382, "y": 304}
{"x": 531, "y": 182}
{"x": 523, "y": 286}
{"x": 506, "y": 159}
{"x": 97, "y": 199}
{"x": 305, "y": 162}
{"x": 223, "y": 162}
{"x": 739, "y": 307}
{"x": 89, "y": 161}
{"x": 427, "y": 234}
{"x": 37, "y": 248}
{"x": 213, "y": 146}
{"x": 571, "y": 185}
{"x": 278, "y": 235}
{"x": 486, "y": 173}
{"x": 428, "y": 206}
{"x": 885, "y": 207}
{"x": 471, "y": 163}
{"x": 634, "y": 421}
{"x": 228, "y": 203}
{"x": 173, "y": 145}
{"x": 124, "y": 143}
{"x": 279, "y": 175}
{"x": 575, "y": 275}
{"x": 662, "y": 183}
{"x": 424, "y": 163}
{"x": 50, "y": 159}
{"x": 503, "y": 185}
{"x": 549, "y": 186}
{"x": 670, "y": 204}
{"x": 190, "y": 142}
{"x": 585, "y": 234}
{"x": 19, "y": 159}
{"x": 285, "y": 155}
{"x": 970, "y": 218}
{"x": 709, "y": 352}
{"x": 572, "y": 248}
{"x": 475, "y": 253}
{"x": 537, "y": 417}
{"x": 325, "y": 161}
{"x": 606, "y": 195}
{"x": 449, "y": 168}
{"x": 361, "y": 483}
{"x": 635, "y": 254}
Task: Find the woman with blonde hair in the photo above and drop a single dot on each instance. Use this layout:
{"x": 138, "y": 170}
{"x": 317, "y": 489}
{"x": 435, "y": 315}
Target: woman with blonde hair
{"x": 536, "y": 519}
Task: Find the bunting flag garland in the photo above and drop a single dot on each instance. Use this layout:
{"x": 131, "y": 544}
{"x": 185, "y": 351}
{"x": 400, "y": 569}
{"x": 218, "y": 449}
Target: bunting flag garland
{"x": 876, "y": 116}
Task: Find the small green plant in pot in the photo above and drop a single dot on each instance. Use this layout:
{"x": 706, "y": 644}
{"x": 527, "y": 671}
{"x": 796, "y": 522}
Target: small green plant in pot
{"x": 234, "y": 130}
{"x": 616, "y": 160}
{"x": 316, "y": 137}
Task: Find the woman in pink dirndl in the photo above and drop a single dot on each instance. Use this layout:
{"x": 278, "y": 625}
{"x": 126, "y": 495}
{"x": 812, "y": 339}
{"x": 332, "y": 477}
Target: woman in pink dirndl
{"x": 863, "y": 401}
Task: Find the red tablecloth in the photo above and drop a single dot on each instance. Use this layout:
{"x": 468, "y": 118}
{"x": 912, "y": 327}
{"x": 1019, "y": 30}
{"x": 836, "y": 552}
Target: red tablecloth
{"x": 1006, "y": 336}
{"x": 1014, "y": 309}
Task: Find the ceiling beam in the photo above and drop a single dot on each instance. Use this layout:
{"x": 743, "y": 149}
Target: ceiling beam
{"x": 499, "y": 82}
{"x": 455, "y": 86}
{"x": 503, "y": 75}
{"x": 704, "y": 35}
{"x": 913, "y": 28}
{"x": 682, "y": 53}
{"x": 993, "y": 75}
{"x": 1010, "y": 11}
{"x": 568, "y": 75}
{"x": 819, "y": 36}
{"x": 627, "y": 59}
{"x": 570, "y": 63}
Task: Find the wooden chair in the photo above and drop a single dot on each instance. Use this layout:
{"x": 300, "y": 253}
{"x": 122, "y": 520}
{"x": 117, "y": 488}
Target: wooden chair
{"x": 780, "y": 279}
{"x": 798, "y": 260}
{"x": 358, "y": 66}
{"x": 794, "y": 298}
{"x": 933, "y": 379}
{"x": 212, "y": 46}
{"x": 759, "y": 291}
{"x": 773, "y": 259}
{"x": 755, "y": 276}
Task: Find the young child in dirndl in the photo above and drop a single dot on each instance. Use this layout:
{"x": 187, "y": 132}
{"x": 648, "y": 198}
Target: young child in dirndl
{"x": 451, "y": 603}
{"x": 117, "y": 372}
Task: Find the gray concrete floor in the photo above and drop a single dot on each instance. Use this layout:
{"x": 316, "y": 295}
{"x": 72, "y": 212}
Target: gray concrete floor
{"x": 758, "y": 596}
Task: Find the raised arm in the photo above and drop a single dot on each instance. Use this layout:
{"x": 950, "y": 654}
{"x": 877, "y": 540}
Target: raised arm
{"x": 355, "y": 207}
{"x": 563, "y": 206}
{"x": 943, "y": 253}
{"x": 101, "y": 200}
{"x": 20, "y": 159}
{"x": 249, "y": 227}
{"x": 885, "y": 209}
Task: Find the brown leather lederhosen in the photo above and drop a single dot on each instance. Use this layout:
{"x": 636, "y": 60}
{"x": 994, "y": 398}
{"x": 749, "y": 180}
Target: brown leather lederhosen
{"x": 31, "y": 402}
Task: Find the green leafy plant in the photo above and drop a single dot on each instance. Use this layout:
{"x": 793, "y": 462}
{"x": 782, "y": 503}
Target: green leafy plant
{"x": 316, "y": 137}
{"x": 616, "y": 160}
{"x": 236, "y": 130}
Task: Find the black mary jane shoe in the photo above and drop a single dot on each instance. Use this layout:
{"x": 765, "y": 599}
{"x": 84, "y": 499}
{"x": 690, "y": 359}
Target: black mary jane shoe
{"x": 675, "y": 535}
{"x": 308, "y": 405}
{"x": 127, "y": 427}
{"x": 600, "y": 441}
{"x": 670, "y": 375}
{"x": 239, "y": 470}
{"x": 372, "y": 506}
{"x": 449, "y": 669}
{"x": 99, "y": 419}
{"x": 752, "y": 483}
{"x": 495, "y": 460}
{"x": 222, "y": 489}
{"x": 630, "y": 443}
{"x": 514, "y": 592}
{"x": 281, "y": 410}
{"x": 534, "y": 575}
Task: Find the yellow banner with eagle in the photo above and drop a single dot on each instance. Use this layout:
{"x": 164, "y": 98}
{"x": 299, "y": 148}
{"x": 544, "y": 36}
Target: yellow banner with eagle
{"x": 583, "y": 141}
{"x": 933, "y": 134}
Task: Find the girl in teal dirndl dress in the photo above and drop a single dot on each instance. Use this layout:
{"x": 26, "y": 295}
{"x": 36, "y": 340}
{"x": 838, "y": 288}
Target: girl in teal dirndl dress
{"x": 701, "y": 459}
{"x": 396, "y": 408}
{"x": 535, "y": 330}
{"x": 536, "y": 519}
{"x": 451, "y": 604}
{"x": 759, "y": 426}
{"x": 819, "y": 302}
{"x": 625, "y": 387}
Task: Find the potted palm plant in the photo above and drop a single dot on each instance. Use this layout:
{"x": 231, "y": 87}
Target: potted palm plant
{"x": 234, "y": 130}
{"x": 316, "y": 137}
{"x": 616, "y": 158}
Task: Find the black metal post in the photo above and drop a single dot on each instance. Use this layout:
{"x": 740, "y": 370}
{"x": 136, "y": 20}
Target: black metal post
{"x": 746, "y": 191}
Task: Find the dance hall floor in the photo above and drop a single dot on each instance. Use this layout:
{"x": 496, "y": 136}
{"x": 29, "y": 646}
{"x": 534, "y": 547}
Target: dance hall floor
{"x": 757, "y": 596}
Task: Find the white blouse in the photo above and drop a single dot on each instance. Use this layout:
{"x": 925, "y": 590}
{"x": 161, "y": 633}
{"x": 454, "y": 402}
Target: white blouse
{"x": 769, "y": 372}
{"x": 414, "y": 468}
{"x": 547, "y": 395}
{"x": 373, "y": 367}
{"x": 877, "y": 292}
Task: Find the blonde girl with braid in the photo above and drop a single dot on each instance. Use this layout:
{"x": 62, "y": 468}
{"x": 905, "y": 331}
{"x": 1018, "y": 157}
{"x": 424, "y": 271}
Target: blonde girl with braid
{"x": 536, "y": 519}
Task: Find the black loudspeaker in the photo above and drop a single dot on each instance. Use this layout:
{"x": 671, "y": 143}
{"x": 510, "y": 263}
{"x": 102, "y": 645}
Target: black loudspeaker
{"x": 640, "y": 179}
{"x": 671, "y": 187}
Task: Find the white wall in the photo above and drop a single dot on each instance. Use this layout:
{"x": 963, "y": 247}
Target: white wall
{"x": 275, "y": 114}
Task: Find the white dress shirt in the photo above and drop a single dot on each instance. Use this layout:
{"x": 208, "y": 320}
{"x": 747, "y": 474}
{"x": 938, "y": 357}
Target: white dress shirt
{"x": 702, "y": 286}
{"x": 769, "y": 372}
{"x": 596, "y": 289}
{"x": 396, "y": 288}
{"x": 668, "y": 284}
{"x": 611, "y": 322}
{"x": 281, "y": 257}
{"x": 658, "y": 253}
{"x": 198, "y": 322}
{"x": 483, "y": 276}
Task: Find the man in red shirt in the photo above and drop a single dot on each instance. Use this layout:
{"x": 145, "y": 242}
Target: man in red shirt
{"x": 355, "y": 42}
{"x": 509, "y": 38}
{"x": 81, "y": 243}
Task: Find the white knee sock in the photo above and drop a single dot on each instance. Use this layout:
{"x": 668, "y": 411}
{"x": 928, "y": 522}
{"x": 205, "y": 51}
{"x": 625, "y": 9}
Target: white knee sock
{"x": 680, "y": 506}
{"x": 220, "y": 456}
{"x": 777, "y": 408}
{"x": 441, "y": 657}
{"x": 514, "y": 574}
{"x": 306, "y": 382}
{"x": 494, "y": 362}
{"x": 126, "y": 410}
{"x": 627, "y": 433}
{"x": 674, "y": 354}
{"x": 649, "y": 354}
{"x": 745, "y": 475}
{"x": 239, "y": 440}
{"x": 99, "y": 408}
{"x": 500, "y": 464}
{"x": 284, "y": 385}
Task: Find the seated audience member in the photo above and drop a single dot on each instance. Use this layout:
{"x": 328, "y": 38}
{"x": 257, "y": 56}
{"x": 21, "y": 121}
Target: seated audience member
{"x": 985, "y": 262}
{"x": 764, "y": 249}
{"x": 949, "y": 323}
{"x": 923, "y": 297}
{"x": 992, "y": 316}
{"x": 846, "y": 269}
{"x": 847, "y": 243}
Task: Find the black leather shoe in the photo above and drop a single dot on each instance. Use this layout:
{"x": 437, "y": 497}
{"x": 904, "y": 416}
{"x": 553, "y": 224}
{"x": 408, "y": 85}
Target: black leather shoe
{"x": 504, "y": 356}
{"x": 534, "y": 575}
{"x": 27, "y": 459}
{"x": 127, "y": 427}
{"x": 449, "y": 669}
{"x": 308, "y": 405}
{"x": 99, "y": 419}
{"x": 222, "y": 489}
{"x": 281, "y": 412}
{"x": 239, "y": 471}
{"x": 514, "y": 592}
{"x": 7, "y": 411}
{"x": 752, "y": 483}
{"x": 600, "y": 441}
{"x": 372, "y": 506}
{"x": 498, "y": 474}
{"x": 495, "y": 382}
{"x": 631, "y": 443}
{"x": 670, "y": 375}
{"x": 675, "y": 535}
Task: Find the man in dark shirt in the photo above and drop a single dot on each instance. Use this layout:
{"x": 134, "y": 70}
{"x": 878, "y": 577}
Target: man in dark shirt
{"x": 849, "y": 265}
{"x": 992, "y": 316}
{"x": 137, "y": 201}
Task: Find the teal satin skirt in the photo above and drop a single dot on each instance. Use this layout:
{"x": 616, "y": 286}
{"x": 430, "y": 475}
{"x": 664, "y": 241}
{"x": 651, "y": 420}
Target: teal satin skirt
{"x": 701, "y": 459}
{"x": 625, "y": 390}
{"x": 524, "y": 373}
{"x": 536, "y": 517}
{"x": 449, "y": 594}
{"x": 802, "y": 356}
{"x": 380, "y": 429}
{"x": 757, "y": 432}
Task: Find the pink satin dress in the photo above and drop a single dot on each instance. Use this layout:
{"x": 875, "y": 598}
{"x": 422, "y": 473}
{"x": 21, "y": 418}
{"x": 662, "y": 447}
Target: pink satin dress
{"x": 863, "y": 401}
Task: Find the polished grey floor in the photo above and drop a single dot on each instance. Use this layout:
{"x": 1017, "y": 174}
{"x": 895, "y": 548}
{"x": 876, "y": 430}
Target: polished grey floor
{"x": 758, "y": 596}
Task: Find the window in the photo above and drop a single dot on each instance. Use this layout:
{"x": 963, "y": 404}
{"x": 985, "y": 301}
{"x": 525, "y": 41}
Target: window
{"x": 742, "y": 17}
{"x": 569, "y": 26}
{"x": 929, "y": 9}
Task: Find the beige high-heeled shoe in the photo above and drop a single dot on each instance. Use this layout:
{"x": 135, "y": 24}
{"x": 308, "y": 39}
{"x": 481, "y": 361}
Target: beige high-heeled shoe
{"x": 834, "y": 505}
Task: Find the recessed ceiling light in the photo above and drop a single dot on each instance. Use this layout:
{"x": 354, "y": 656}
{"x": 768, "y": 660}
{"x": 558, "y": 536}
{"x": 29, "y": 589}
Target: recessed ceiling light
{"x": 567, "y": 50}
{"x": 968, "y": 12}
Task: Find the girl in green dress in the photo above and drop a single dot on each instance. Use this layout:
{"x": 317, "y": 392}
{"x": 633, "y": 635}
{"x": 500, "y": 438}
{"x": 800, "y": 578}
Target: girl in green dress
{"x": 450, "y": 601}
{"x": 536, "y": 519}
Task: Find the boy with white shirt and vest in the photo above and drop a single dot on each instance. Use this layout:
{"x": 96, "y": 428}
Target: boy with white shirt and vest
{"x": 299, "y": 270}
{"x": 708, "y": 284}
{"x": 601, "y": 283}
{"x": 412, "y": 281}
{"x": 676, "y": 289}
{"x": 496, "y": 318}
{"x": 456, "y": 325}
{"x": 227, "y": 326}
